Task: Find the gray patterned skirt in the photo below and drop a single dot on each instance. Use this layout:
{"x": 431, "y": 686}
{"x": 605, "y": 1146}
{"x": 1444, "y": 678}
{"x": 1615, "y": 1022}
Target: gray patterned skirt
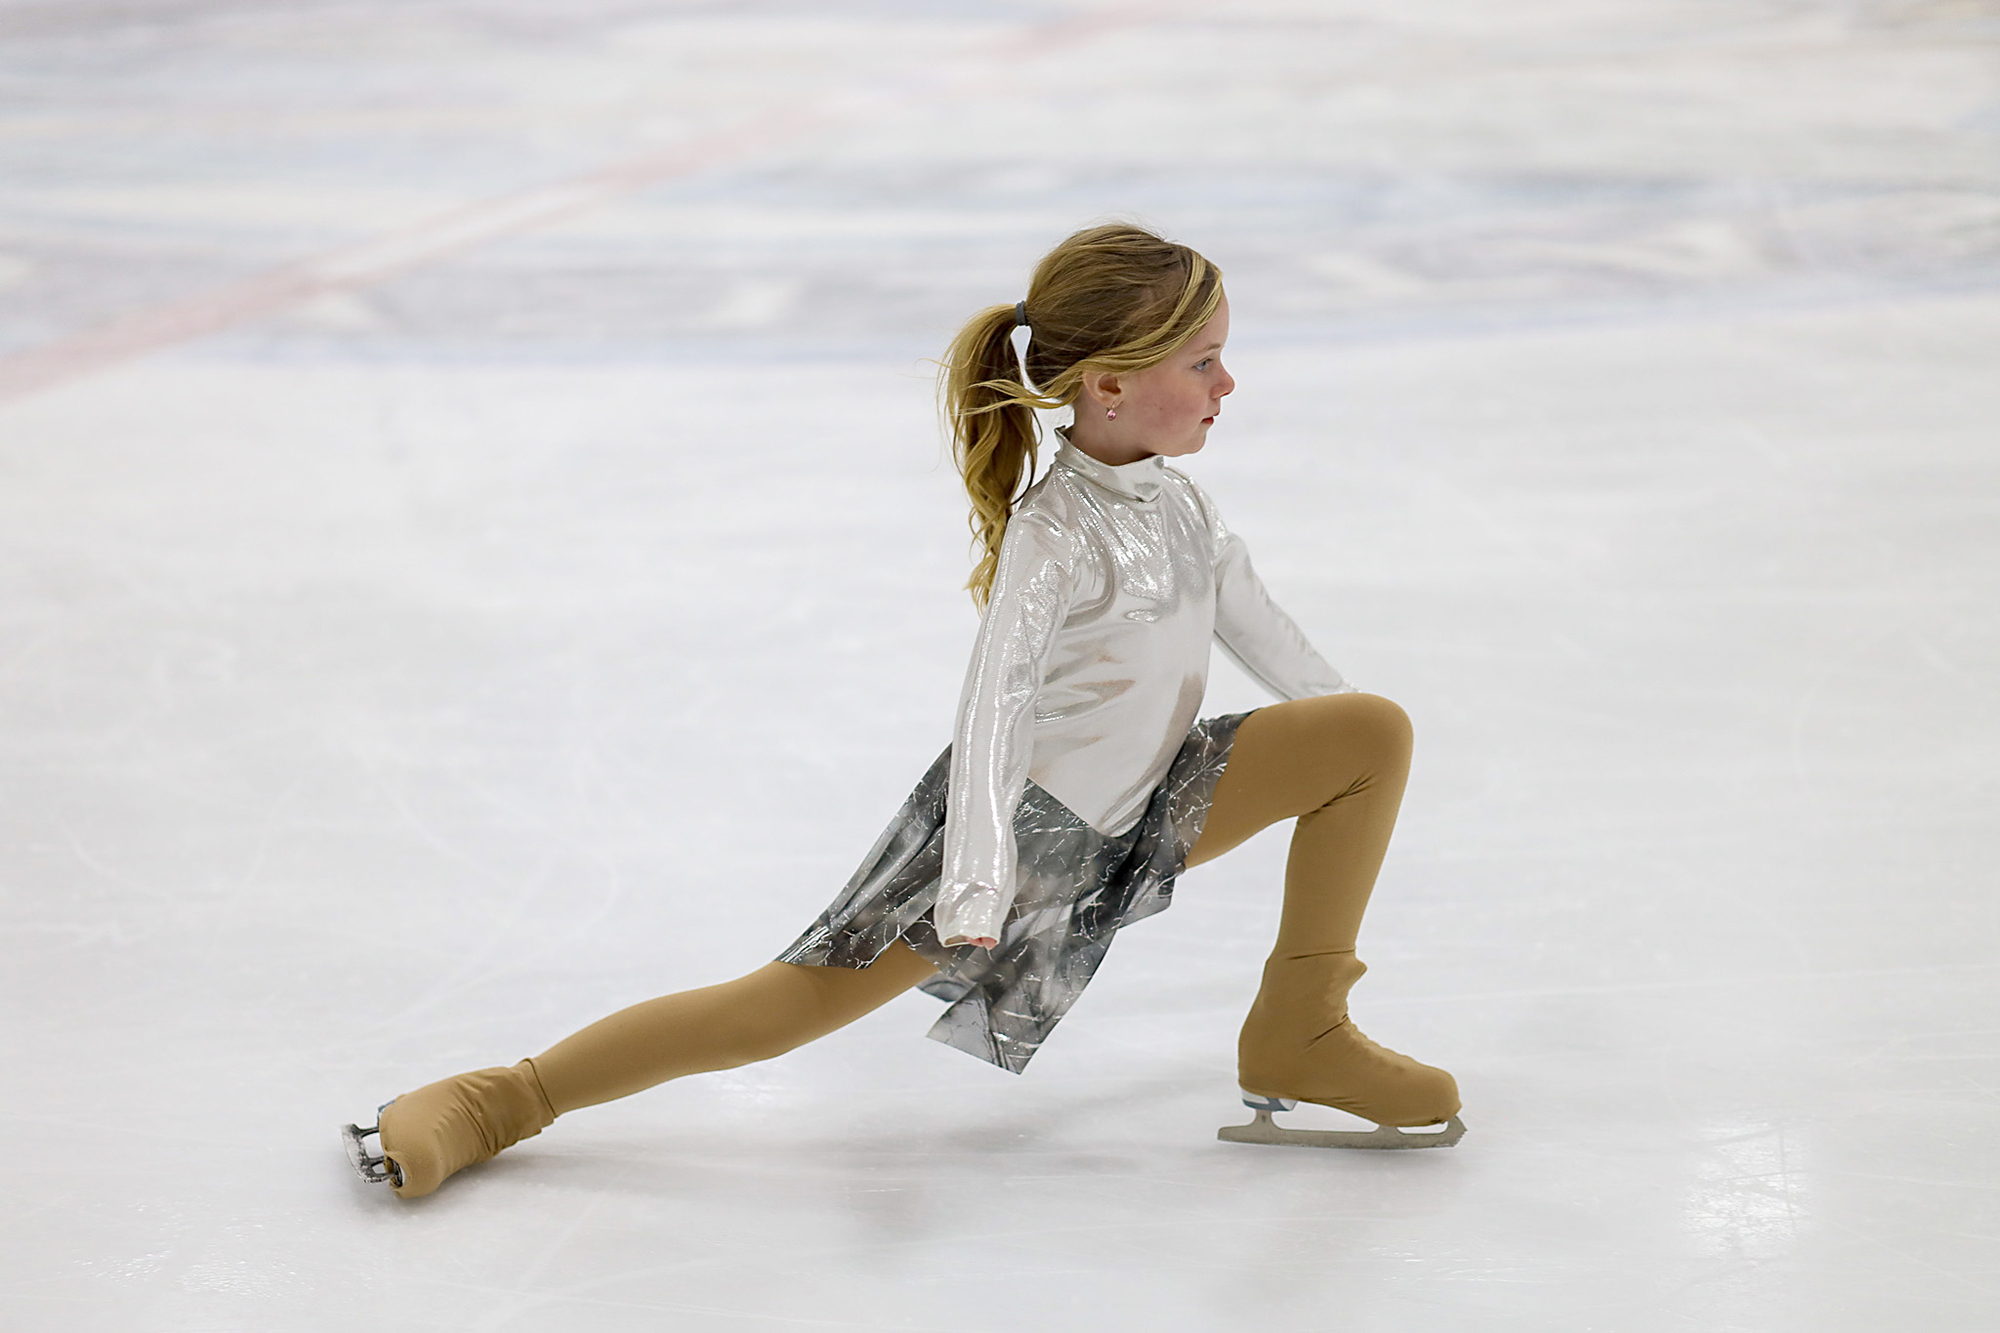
{"x": 1076, "y": 888}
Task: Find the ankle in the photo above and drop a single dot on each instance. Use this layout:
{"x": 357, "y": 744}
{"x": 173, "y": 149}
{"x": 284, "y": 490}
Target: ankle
{"x": 1316, "y": 972}
{"x": 533, "y": 1077}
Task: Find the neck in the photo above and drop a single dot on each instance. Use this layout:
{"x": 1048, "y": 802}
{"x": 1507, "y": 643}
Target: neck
{"x": 1101, "y": 442}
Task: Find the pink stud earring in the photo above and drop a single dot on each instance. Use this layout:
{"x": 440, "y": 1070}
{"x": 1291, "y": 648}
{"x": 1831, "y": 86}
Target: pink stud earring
{"x": 1111, "y": 414}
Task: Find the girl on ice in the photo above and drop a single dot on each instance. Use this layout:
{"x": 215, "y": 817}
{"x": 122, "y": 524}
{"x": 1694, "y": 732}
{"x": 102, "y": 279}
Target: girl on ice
{"x": 1079, "y": 781}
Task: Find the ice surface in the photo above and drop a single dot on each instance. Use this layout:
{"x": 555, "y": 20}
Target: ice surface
{"x": 474, "y": 552}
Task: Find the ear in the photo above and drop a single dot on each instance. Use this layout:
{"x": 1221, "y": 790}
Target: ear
{"x": 1102, "y": 388}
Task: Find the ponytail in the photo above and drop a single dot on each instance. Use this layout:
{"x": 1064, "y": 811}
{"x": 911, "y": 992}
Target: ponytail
{"x": 991, "y": 412}
{"x": 1115, "y": 298}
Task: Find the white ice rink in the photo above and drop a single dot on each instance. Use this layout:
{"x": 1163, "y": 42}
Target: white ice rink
{"x": 475, "y": 552}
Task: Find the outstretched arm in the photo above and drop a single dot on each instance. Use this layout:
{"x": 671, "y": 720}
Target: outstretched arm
{"x": 993, "y": 741}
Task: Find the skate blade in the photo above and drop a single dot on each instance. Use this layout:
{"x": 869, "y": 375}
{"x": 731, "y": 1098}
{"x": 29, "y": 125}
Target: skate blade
{"x": 1263, "y": 1129}
{"x": 371, "y": 1167}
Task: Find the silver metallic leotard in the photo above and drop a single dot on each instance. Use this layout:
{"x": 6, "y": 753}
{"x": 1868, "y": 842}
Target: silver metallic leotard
{"x": 1092, "y": 660}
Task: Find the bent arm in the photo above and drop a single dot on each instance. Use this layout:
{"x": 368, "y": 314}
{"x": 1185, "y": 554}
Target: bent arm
{"x": 993, "y": 741}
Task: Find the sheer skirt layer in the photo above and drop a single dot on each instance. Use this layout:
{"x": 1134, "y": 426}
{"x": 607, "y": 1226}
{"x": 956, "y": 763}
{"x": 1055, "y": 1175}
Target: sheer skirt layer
{"x": 1077, "y": 888}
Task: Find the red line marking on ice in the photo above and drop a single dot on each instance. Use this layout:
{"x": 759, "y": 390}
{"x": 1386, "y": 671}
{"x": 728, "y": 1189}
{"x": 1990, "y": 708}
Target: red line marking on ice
{"x": 458, "y": 230}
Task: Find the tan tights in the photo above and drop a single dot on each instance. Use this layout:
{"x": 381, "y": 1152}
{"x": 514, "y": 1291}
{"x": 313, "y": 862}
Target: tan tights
{"x": 755, "y": 1017}
{"x": 1336, "y": 763}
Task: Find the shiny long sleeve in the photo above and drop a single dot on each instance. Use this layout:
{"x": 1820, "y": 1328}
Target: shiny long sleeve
{"x": 993, "y": 740}
{"x": 1255, "y": 631}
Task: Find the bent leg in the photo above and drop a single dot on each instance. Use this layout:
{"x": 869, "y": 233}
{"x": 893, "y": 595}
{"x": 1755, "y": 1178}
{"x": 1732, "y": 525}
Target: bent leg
{"x": 755, "y": 1017}
{"x": 1338, "y": 764}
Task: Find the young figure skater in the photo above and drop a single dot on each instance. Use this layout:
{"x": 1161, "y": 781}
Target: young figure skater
{"x": 1078, "y": 782}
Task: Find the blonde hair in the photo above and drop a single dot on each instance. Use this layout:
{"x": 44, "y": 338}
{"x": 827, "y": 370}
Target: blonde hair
{"x": 1115, "y": 299}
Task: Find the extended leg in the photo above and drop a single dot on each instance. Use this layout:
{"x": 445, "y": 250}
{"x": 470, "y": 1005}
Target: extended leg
{"x": 778, "y": 1007}
{"x": 429, "y": 1134}
{"x": 1338, "y": 765}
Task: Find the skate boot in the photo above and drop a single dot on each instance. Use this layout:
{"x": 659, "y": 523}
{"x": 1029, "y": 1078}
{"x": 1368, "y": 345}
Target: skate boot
{"x": 1299, "y": 1045}
{"x": 428, "y": 1135}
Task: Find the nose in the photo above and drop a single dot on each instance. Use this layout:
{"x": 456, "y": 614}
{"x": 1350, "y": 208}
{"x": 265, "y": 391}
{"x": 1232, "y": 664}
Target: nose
{"x": 1226, "y": 386}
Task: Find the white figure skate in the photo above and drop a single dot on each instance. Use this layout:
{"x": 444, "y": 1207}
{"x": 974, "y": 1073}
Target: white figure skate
{"x": 1263, "y": 1129}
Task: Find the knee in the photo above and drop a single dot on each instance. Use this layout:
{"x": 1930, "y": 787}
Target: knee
{"x": 792, "y": 1004}
{"x": 1368, "y": 721}
{"x": 754, "y": 1042}
{"x": 768, "y": 1033}
{"x": 767, "y": 1013}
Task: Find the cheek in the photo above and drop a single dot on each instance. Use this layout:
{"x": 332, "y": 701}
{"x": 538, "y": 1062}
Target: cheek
{"x": 1178, "y": 405}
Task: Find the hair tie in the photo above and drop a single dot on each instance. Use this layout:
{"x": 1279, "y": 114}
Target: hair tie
{"x": 1020, "y": 313}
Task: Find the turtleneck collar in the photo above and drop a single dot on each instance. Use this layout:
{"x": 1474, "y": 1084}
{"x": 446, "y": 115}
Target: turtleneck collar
{"x": 1134, "y": 481}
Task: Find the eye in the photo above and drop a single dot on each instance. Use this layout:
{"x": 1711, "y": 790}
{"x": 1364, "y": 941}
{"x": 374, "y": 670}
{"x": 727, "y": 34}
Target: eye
{"x": 1204, "y": 363}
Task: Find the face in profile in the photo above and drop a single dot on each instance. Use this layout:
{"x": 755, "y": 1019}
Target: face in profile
{"x": 1165, "y": 409}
